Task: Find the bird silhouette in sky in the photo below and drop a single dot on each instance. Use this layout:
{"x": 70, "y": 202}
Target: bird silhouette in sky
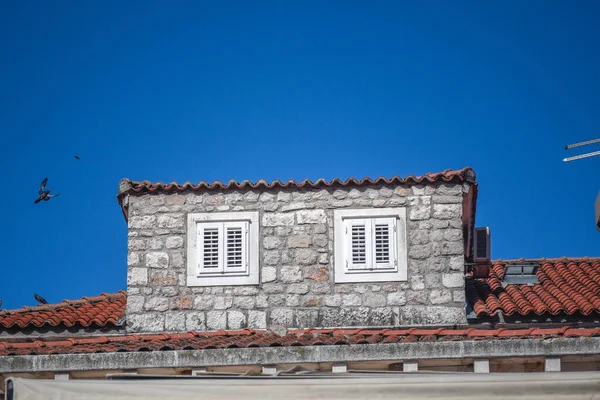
{"x": 44, "y": 194}
{"x": 77, "y": 158}
{"x": 40, "y": 299}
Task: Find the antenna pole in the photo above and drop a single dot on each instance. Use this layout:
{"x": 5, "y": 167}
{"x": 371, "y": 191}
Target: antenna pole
{"x": 586, "y": 155}
{"x": 580, "y": 144}
{"x": 572, "y": 146}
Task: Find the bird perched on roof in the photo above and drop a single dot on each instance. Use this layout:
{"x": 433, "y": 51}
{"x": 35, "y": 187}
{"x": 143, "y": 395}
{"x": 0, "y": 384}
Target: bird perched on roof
{"x": 40, "y": 299}
{"x": 44, "y": 194}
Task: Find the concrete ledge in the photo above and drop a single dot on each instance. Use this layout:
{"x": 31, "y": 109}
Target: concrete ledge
{"x": 314, "y": 354}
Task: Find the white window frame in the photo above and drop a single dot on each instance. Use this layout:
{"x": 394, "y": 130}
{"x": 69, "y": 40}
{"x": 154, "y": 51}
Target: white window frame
{"x": 348, "y": 272}
{"x": 247, "y": 274}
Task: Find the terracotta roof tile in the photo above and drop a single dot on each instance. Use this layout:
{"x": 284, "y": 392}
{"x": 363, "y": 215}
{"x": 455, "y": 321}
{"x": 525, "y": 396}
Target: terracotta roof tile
{"x": 128, "y": 186}
{"x": 569, "y": 286}
{"x": 250, "y": 338}
{"x": 99, "y": 311}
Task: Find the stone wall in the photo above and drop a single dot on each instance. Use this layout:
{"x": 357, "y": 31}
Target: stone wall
{"x": 296, "y": 262}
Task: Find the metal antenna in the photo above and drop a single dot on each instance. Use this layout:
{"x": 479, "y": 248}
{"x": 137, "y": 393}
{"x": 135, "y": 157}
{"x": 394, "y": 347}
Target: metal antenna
{"x": 585, "y": 155}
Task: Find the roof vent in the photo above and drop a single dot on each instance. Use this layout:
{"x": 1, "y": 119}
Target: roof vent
{"x": 523, "y": 273}
{"x": 481, "y": 245}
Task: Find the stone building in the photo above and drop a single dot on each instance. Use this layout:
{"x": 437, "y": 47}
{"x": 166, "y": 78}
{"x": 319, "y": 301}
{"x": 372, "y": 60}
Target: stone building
{"x": 357, "y": 274}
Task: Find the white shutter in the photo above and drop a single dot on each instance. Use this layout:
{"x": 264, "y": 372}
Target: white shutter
{"x": 358, "y": 251}
{"x": 235, "y": 251}
{"x": 210, "y": 245}
{"x": 384, "y": 239}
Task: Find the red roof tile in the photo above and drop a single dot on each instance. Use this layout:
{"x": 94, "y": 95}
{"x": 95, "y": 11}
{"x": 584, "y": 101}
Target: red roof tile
{"x": 248, "y": 338}
{"x": 566, "y": 286}
{"x": 99, "y": 311}
{"x": 128, "y": 186}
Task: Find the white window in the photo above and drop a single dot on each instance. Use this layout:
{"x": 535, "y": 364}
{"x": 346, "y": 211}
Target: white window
{"x": 370, "y": 245}
{"x": 222, "y": 249}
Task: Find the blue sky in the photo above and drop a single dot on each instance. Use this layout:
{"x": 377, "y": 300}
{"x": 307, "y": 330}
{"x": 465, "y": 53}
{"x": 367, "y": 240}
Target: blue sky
{"x": 278, "y": 90}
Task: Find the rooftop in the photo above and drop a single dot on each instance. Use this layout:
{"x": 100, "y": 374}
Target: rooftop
{"x": 567, "y": 286}
{"x": 97, "y": 311}
{"x": 248, "y": 338}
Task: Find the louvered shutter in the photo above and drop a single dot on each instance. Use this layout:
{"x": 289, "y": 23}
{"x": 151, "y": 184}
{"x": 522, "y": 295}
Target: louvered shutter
{"x": 384, "y": 239}
{"x": 210, "y": 248}
{"x": 235, "y": 249}
{"x": 370, "y": 244}
{"x": 358, "y": 244}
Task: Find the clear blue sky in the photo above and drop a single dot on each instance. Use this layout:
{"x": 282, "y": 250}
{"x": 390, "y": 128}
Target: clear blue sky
{"x": 279, "y": 90}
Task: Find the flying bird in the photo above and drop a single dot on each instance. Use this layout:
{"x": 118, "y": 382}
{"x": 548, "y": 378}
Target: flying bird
{"x": 77, "y": 158}
{"x": 40, "y": 299}
{"x": 44, "y": 194}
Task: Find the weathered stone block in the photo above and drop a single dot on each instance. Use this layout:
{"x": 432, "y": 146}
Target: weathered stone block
{"x": 245, "y": 291}
{"x": 454, "y": 280}
{"x": 296, "y": 205}
{"x": 142, "y": 222}
{"x": 174, "y": 242}
{"x": 334, "y": 300}
{"x": 297, "y": 288}
{"x": 383, "y": 316}
{"x": 246, "y": 302}
{"x": 356, "y": 316}
{"x": 181, "y": 303}
{"x": 299, "y": 241}
{"x": 157, "y": 260}
{"x": 458, "y": 296}
{"x": 147, "y": 322}
{"x": 204, "y": 302}
{"x": 349, "y": 300}
{"x": 170, "y": 220}
{"x": 278, "y": 219}
{"x": 312, "y": 301}
{"x": 175, "y": 322}
{"x": 419, "y": 213}
{"x": 420, "y": 251}
{"x": 271, "y": 257}
{"x": 269, "y": 274}
{"x": 157, "y": 304}
{"x": 281, "y": 316}
{"x": 306, "y": 256}
{"x": 164, "y": 278}
{"x": 292, "y": 300}
{"x": 375, "y": 300}
{"x": 271, "y": 288}
{"x": 417, "y": 282}
{"x": 134, "y": 259}
{"x": 216, "y": 320}
{"x": 194, "y": 321}
{"x": 137, "y": 276}
{"x": 291, "y": 274}
{"x": 321, "y": 240}
{"x": 134, "y": 303}
{"x": 257, "y": 319}
{"x": 262, "y": 301}
{"x": 428, "y": 315}
{"x": 236, "y": 320}
{"x": 447, "y": 211}
{"x": 396, "y": 299}
{"x": 321, "y": 288}
{"x": 452, "y": 248}
{"x": 223, "y": 302}
{"x": 307, "y": 318}
{"x": 311, "y": 217}
{"x": 272, "y": 242}
{"x": 440, "y": 296}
